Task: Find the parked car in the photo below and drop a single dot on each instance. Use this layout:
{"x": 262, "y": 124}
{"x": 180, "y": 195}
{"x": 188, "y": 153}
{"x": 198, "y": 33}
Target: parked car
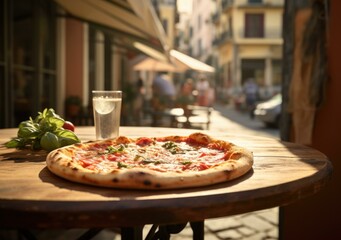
{"x": 269, "y": 111}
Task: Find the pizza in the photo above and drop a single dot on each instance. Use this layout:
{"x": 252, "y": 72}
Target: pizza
{"x": 168, "y": 162}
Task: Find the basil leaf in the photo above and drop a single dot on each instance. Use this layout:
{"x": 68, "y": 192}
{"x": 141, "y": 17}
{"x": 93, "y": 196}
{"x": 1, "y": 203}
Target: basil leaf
{"x": 169, "y": 145}
{"x": 119, "y": 148}
{"x": 64, "y": 133}
{"x": 28, "y": 132}
{"x": 56, "y": 122}
{"x": 14, "y": 143}
{"x": 44, "y": 132}
{"x": 66, "y": 137}
{"x": 121, "y": 165}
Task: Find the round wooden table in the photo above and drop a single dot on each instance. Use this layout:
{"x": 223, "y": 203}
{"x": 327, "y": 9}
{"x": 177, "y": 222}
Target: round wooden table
{"x": 32, "y": 197}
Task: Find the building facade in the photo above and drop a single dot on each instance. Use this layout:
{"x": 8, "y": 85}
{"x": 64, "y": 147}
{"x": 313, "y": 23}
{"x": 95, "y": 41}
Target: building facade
{"x": 167, "y": 13}
{"x": 248, "y": 44}
{"x": 201, "y": 31}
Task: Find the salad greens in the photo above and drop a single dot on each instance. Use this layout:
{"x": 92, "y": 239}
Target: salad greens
{"x": 44, "y": 132}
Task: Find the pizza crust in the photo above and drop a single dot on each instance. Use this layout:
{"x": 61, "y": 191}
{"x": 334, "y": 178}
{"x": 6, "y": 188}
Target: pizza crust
{"x": 240, "y": 161}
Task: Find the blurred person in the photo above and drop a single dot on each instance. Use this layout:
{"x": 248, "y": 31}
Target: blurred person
{"x": 186, "y": 96}
{"x": 210, "y": 96}
{"x": 164, "y": 92}
{"x": 202, "y": 88}
{"x": 250, "y": 90}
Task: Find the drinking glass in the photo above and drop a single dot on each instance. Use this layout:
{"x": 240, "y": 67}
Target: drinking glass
{"x": 107, "y": 113}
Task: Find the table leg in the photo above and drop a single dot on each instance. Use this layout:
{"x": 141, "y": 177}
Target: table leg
{"x": 198, "y": 230}
{"x": 90, "y": 234}
{"x": 164, "y": 231}
{"x": 27, "y": 234}
{"x": 132, "y": 233}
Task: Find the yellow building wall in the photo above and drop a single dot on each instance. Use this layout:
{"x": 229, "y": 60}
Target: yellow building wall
{"x": 256, "y": 51}
{"x": 225, "y": 55}
{"x": 167, "y": 12}
{"x": 272, "y": 19}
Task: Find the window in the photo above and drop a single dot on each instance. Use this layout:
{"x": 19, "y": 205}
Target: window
{"x": 27, "y": 59}
{"x": 253, "y": 68}
{"x": 255, "y": 1}
{"x": 3, "y": 66}
{"x": 254, "y": 25}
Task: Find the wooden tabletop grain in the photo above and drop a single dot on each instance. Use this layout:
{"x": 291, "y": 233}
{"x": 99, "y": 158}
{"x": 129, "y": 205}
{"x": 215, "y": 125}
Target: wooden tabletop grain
{"x": 32, "y": 196}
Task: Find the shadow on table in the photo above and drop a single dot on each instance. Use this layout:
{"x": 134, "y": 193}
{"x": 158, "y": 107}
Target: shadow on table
{"x": 24, "y": 155}
{"x": 128, "y": 194}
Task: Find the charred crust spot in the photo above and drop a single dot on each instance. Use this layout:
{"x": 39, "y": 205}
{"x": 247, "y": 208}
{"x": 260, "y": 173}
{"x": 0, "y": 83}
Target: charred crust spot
{"x": 141, "y": 173}
{"x": 158, "y": 185}
{"x": 74, "y": 169}
{"x": 54, "y": 154}
{"x": 147, "y": 182}
{"x": 115, "y": 180}
{"x": 227, "y": 172}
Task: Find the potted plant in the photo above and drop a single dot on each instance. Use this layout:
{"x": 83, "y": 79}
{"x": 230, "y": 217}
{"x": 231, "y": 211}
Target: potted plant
{"x": 73, "y": 105}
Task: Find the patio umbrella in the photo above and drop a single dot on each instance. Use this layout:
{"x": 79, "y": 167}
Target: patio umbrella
{"x": 153, "y": 65}
{"x": 191, "y": 63}
{"x": 180, "y": 62}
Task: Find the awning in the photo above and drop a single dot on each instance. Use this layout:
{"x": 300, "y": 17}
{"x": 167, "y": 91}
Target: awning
{"x": 180, "y": 62}
{"x": 135, "y": 21}
{"x": 153, "y": 65}
{"x": 191, "y": 62}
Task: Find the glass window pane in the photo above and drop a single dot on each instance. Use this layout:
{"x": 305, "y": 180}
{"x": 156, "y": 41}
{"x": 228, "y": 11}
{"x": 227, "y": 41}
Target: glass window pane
{"x": 23, "y": 94}
{"x": 255, "y": 1}
{"x": 47, "y": 28}
{"x": 22, "y": 32}
{"x": 2, "y": 31}
{"x": 253, "y": 68}
{"x": 254, "y": 25}
{"x": 48, "y": 96}
{"x": 2, "y": 97}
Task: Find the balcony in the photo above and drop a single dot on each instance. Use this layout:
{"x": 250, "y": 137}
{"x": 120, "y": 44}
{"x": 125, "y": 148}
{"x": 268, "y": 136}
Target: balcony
{"x": 216, "y": 17}
{"x": 269, "y": 33}
{"x": 222, "y": 38}
{"x": 226, "y": 4}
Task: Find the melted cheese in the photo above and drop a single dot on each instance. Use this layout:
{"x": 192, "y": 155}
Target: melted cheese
{"x": 177, "y": 157}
